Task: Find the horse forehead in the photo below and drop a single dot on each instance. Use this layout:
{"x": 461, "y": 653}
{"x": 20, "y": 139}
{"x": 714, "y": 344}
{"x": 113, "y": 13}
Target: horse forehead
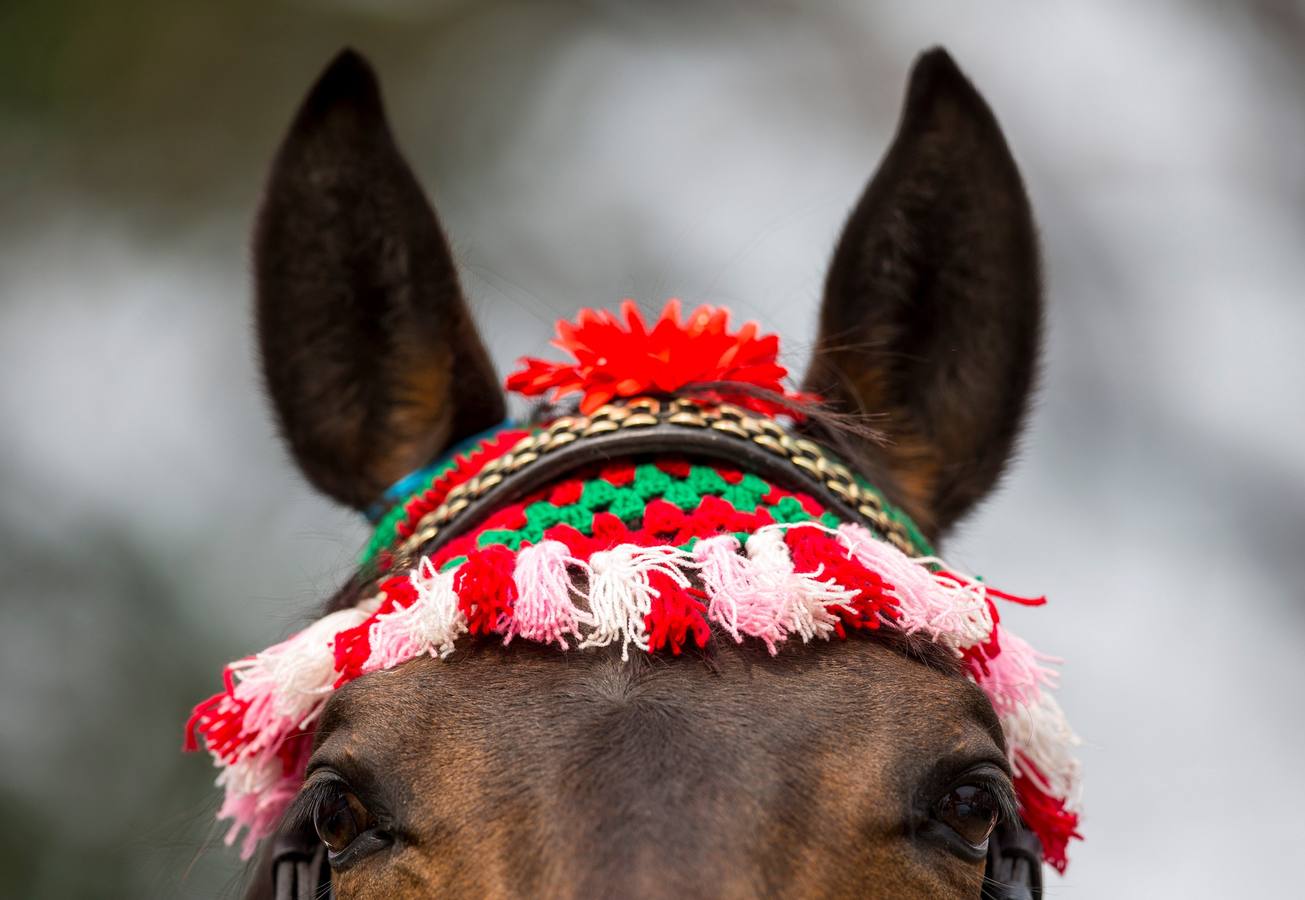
{"x": 532, "y": 715}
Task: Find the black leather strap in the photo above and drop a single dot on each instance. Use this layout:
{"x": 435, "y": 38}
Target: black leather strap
{"x": 653, "y": 440}
{"x": 1014, "y": 864}
{"x": 298, "y": 869}
{"x": 648, "y": 426}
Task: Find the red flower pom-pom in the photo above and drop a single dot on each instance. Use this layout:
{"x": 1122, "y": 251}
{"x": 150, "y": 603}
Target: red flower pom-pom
{"x": 615, "y": 360}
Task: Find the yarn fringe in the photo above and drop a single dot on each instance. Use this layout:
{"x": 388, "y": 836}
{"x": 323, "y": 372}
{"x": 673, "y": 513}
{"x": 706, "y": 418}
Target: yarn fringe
{"x": 947, "y": 608}
{"x": 621, "y": 592}
{"x": 809, "y": 599}
{"x": 545, "y": 609}
{"x": 650, "y": 598}
{"x": 426, "y": 628}
{"x": 1042, "y": 747}
{"x": 738, "y": 597}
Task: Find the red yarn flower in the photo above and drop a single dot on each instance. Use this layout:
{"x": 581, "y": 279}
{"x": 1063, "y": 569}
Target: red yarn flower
{"x": 615, "y": 360}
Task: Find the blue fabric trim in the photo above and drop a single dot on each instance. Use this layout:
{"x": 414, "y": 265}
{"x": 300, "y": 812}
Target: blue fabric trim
{"x": 408, "y": 484}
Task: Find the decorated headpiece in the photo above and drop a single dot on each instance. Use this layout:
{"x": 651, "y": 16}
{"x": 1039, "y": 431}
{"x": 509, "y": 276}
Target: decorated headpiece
{"x": 712, "y": 516}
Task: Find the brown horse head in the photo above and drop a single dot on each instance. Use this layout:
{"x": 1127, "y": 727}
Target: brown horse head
{"x": 869, "y": 767}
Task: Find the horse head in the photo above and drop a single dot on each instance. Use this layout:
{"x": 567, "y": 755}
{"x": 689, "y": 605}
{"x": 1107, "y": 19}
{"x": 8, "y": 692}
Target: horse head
{"x": 873, "y": 766}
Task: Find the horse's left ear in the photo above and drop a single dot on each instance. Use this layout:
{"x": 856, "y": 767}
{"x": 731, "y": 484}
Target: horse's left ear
{"x": 932, "y": 309}
{"x": 371, "y": 357}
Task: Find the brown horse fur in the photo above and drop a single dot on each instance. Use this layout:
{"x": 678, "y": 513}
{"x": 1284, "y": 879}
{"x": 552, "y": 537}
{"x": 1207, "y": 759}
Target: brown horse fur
{"x": 526, "y": 772}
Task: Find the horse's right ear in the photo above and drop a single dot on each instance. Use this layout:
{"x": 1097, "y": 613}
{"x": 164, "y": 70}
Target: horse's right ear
{"x": 371, "y": 357}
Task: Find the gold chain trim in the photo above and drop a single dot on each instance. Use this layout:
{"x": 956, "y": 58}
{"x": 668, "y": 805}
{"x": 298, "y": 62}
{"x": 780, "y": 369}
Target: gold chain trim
{"x": 646, "y": 412}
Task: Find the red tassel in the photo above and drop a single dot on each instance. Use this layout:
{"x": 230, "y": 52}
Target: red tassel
{"x": 352, "y": 648}
{"x": 486, "y": 591}
{"x": 1048, "y": 818}
{"x": 220, "y": 728}
{"x": 678, "y": 615}
{"x": 993, "y": 592}
{"x": 199, "y": 717}
{"x": 813, "y": 550}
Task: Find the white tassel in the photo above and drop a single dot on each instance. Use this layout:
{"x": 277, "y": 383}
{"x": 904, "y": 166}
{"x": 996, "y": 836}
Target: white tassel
{"x": 1040, "y": 733}
{"x": 287, "y": 684}
{"x": 807, "y": 597}
{"x": 251, "y": 774}
{"x": 545, "y": 609}
{"x": 620, "y": 594}
{"x": 429, "y": 627}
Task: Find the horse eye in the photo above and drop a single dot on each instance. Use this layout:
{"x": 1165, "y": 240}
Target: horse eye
{"x": 971, "y": 810}
{"x": 340, "y": 818}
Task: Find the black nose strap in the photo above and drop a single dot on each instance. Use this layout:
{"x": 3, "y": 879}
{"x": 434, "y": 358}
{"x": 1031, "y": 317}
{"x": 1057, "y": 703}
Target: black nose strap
{"x": 1014, "y": 864}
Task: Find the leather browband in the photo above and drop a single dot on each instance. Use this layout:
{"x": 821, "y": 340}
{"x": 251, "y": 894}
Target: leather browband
{"x": 648, "y": 426}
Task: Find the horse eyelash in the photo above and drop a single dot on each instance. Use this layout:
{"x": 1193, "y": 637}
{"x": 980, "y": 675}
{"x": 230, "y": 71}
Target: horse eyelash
{"x": 1009, "y": 806}
{"x": 998, "y": 783}
{"x": 300, "y": 813}
{"x": 1007, "y": 803}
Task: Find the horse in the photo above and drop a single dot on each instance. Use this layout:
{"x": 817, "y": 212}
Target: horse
{"x": 868, "y": 767}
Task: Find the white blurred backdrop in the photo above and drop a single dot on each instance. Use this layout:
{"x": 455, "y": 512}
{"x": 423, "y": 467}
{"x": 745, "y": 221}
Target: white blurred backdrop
{"x": 151, "y": 526}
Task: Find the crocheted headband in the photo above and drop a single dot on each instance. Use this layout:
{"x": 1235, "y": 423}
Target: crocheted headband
{"x": 645, "y": 552}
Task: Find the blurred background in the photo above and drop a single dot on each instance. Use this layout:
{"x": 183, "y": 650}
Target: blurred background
{"x": 151, "y": 527}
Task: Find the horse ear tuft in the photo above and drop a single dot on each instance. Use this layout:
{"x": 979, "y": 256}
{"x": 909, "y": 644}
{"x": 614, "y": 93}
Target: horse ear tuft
{"x": 370, "y": 355}
{"x": 932, "y": 313}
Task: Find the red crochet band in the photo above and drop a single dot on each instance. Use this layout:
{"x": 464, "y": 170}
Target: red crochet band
{"x": 612, "y": 360}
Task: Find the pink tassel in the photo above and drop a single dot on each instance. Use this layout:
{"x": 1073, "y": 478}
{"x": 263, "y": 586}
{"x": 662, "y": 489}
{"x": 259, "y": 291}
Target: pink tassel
{"x": 1016, "y": 676}
{"x": 545, "y": 610}
{"x": 258, "y": 788}
{"x": 737, "y": 600}
{"x": 257, "y": 813}
{"x": 947, "y": 609}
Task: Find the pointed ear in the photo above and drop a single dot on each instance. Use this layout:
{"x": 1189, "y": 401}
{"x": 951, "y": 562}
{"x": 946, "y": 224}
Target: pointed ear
{"x": 932, "y": 311}
{"x": 371, "y": 357}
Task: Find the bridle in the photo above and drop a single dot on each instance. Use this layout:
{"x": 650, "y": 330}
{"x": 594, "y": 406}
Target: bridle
{"x": 294, "y": 865}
